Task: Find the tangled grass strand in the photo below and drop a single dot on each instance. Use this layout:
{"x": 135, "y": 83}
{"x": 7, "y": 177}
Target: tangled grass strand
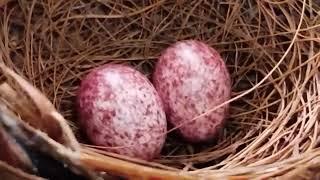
{"x": 271, "y": 48}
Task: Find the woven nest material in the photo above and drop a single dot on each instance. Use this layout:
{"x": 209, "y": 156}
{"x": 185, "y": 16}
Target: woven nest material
{"x": 272, "y": 50}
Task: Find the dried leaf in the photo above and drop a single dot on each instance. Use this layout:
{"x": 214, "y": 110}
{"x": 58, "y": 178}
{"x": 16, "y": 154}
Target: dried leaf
{"x": 19, "y": 104}
{"x": 12, "y": 153}
{"x": 51, "y": 159}
{"x": 36, "y": 109}
{"x": 8, "y": 172}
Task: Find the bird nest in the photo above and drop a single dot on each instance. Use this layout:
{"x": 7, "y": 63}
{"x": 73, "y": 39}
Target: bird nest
{"x": 271, "y": 49}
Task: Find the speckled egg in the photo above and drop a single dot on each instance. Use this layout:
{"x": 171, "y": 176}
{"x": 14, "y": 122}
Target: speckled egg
{"x": 191, "y": 79}
{"x": 120, "y": 109}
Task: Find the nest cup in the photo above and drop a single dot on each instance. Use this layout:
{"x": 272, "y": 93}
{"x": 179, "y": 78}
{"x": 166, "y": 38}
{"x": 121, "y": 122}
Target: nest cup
{"x": 271, "y": 49}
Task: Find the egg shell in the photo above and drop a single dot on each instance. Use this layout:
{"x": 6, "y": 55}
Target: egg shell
{"x": 120, "y": 109}
{"x": 191, "y": 79}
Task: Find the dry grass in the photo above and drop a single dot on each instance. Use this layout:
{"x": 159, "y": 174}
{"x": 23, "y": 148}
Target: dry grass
{"x": 272, "y": 49}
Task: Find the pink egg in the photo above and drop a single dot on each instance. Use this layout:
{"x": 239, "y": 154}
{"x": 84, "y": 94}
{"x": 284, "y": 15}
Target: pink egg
{"x": 120, "y": 109}
{"x": 192, "y": 78}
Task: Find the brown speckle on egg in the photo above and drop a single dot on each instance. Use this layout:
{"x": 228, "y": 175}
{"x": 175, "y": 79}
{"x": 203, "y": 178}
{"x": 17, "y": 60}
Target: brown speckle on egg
{"x": 191, "y": 78}
{"x": 120, "y": 109}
